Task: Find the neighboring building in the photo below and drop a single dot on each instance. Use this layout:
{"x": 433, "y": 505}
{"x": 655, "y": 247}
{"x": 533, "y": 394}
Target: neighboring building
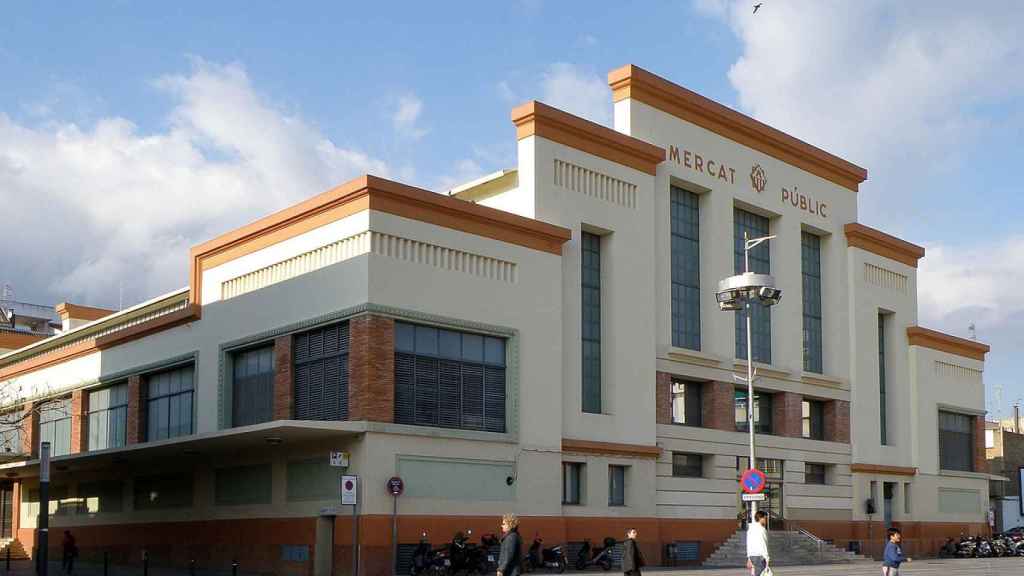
{"x": 544, "y": 341}
{"x": 22, "y": 324}
{"x": 1004, "y": 450}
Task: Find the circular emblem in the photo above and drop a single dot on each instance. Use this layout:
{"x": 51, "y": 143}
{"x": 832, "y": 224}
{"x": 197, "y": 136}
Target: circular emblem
{"x": 395, "y": 486}
{"x": 758, "y": 178}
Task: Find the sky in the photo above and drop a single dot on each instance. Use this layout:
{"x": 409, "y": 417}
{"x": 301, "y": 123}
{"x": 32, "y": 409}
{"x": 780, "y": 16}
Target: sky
{"x": 132, "y": 131}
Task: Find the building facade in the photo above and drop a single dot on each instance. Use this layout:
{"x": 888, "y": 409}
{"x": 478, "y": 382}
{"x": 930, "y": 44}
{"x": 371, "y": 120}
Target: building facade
{"x": 545, "y": 340}
{"x": 1004, "y": 449}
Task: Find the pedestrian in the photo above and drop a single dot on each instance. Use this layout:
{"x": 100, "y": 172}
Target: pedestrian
{"x": 893, "y": 556}
{"x": 632, "y": 558}
{"x": 70, "y": 552}
{"x": 757, "y": 544}
{"x": 510, "y": 559}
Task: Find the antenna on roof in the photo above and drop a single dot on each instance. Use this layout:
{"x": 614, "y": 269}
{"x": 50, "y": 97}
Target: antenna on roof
{"x": 973, "y": 331}
{"x": 120, "y": 295}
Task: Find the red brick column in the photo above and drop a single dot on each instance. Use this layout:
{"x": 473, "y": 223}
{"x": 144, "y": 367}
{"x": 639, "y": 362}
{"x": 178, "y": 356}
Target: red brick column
{"x": 980, "y": 464}
{"x": 837, "y": 421}
{"x": 30, "y": 431}
{"x": 284, "y": 389}
{"x": 79, "y": 421}
{"x": 371, "y": 365}
{"x": 663, "y": 398}
{"x": 786, "y": 414}
{"x": 718, "y": 399}
{"x": 136, "y": 419}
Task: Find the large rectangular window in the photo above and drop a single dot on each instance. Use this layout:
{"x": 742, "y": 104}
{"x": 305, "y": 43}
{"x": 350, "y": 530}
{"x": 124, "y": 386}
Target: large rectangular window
{"x": 814, "y": 473}
{"x": 449, "y": 379}
{"x": 311, "y": 479}
{"x": 956, "y": 441}
{"x": 243, "y": 485}
{"x": 687, "y": 465}
{"x": 572, "y": 483}
{"x": 754, "y": 226}
{"x": 616, "y": 485}
{"x": 55, "y": 426}
{"x": 108, "y": 417}
{"x": 252, "y": 386}
{"x": 169, "y": 403}
{"x": 590, "y": 280}
{"x": 320, "y": 360}
{"x": 762, "y": 411}
{"x": 882, "y": 407}
{"x": 686, "y": 403}
{"x": 685, "y": 216}
{"x": 10, "y": 432}
{"x": 811, "y": 259}
{"x": 163, "y": 492}
{"x": 813, "y": 419}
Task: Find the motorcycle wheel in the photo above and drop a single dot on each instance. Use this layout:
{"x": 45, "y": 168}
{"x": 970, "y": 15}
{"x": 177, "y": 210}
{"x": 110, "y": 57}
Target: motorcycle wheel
{"x": 562, "y": 565}
{"x": 581, "y": 564}
{"x": 606, "y": 564}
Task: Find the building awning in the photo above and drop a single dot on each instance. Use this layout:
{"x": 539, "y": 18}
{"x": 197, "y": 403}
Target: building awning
{"x": 279, "y": 432}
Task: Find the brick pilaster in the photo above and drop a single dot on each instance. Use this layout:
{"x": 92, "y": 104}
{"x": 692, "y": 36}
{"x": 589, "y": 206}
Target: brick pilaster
{"x": 136, "y": 419}
{"x": 786, "y": 414}
{"x": 837, "y": 421}
{"x": 79, "y": 421}
{"x": 980, "y": 464}
{"x": 371, "y": 364}
{"x": 663, "y": 398}
{"x": 30, "y": 431}
{"x": 284, "y": 389}
{"x": 718, "y": 399}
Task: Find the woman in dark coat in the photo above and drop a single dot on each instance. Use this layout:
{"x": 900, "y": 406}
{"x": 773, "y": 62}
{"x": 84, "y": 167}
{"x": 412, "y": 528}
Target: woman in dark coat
{"x": 632, "y": 558}
{"x": 510, "y": 560}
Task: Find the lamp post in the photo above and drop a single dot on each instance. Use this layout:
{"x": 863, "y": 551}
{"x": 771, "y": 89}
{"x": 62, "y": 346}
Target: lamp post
{"x": 741, "y": 292}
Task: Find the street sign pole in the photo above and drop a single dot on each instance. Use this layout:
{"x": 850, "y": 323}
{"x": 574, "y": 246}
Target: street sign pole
{"x": 43, "y": 523}
{"x": 355, "y": 538}
{"x": 394, "y": 532}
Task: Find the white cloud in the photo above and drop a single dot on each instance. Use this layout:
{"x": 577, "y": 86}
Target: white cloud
{"x": 465, "y": 170}
{"x": 406, "y": 115}
{"x": 91, "y": 207}
{"x": 586, "y": 94}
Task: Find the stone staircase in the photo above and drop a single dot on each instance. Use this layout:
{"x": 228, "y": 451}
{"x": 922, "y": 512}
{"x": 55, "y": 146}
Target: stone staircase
{"x": 16, "y": 549}
{"x": 786, "y": 549}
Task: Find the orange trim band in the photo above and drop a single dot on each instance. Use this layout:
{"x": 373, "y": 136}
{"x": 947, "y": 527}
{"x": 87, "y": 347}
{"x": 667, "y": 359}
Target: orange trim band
{"x": 15, "y": 340}
{"x": 89, "y": 313}
{"x": 883, "y": 469}
{"x": 591, "y": 447}
{"x": 926, "y": 338}
{"x": 639, "y": 84}
{"x": 538, "y": 119}
{"x": 372, "y": 193}
{"x": 882, "y": 244}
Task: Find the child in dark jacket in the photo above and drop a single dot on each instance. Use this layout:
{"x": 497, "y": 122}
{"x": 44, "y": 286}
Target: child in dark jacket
{"x": 893, "y": 556}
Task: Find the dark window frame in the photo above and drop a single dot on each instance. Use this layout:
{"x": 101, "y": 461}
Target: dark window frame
{"x": 590, "y": 324}
{"x": 54, "y": 419}
{"x": 812, "y": 419}
{"x": 815, "y": 473}
{"x": 882, "y": 384}
{"x": 760, "y": 262}
{"x": 320, "y": 383}
{"x": 810, "y": 250}
{"x": 116, "y": 417}
{"x": 693, "y": 402}
{"x": 245, "y": 386}
{"x": 689, "y": 469}
{"x": 572, "y": 482}
{"x": 685, "y": 268}
{"x": 617, "y": 485}
{"x": 153, "y": 400}
{"x": 960, "y": 458}
{"x": 764, "y": 411}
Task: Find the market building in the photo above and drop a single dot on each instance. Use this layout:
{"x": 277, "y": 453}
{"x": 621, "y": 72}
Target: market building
{"x": 545, "y": 340}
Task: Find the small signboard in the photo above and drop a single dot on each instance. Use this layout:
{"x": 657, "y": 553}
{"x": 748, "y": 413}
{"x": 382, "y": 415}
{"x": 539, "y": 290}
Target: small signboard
{"x": 339, "y": 459}
{"x": 753, "y": 481}
{"x": 761, "y": 497}
{"x": 349, "y": 490}
{"x": 395, "y": 486}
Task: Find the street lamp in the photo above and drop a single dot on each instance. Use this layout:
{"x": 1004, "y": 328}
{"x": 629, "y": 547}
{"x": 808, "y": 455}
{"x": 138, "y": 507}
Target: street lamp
{"x": 741, "y": 292}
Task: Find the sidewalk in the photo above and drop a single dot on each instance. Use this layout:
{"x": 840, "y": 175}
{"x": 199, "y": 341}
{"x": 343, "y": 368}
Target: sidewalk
{"x": 28, "y": 568}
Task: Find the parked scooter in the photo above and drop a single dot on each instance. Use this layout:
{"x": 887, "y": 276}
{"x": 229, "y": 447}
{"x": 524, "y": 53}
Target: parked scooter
{"x": 948, "y": 549}
{"x": 539, "y": 557}
{"x": 426, "y": 561}
{"x": 601, "y": 557}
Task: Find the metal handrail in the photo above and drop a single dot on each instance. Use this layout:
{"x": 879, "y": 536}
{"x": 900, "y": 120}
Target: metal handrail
{"x": 809, "y": 535}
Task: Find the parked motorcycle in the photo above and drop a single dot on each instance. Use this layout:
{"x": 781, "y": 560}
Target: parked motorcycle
{"x": 540, "y": 557}
{"x": 597, "y": 557}
{"x": 948, "y": 549}
{"x": 426, "y": 561}
{"x": 966, "y": 548}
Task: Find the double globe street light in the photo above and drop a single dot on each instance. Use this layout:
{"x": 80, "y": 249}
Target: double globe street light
{"x": 742, "y": 292}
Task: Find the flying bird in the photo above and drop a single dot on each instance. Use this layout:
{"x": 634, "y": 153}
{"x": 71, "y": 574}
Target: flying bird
{"x": 757, "y": 6}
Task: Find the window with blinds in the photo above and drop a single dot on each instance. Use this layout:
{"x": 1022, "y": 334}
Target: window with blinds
{"x": 108, "y": 417}
{"x": 252, "y": 392}
{"x": 956, "y": 441}
{"x": 320, "y": 360}
{"x": 55, "y": 426}
{"x": 169, "y": 403}
{"x": 449, "y": 379}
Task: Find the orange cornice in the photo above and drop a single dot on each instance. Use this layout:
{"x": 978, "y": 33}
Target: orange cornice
{"x": 91, "y": 345}
{"x": 372, "y": 193}
{"x": 67, "y": 310}
{"x": 538, "y": 119}
{"x": 882, "y": 244}
{"x": 918, "y": 336}
{"x": 883, "y": 469}
{"x": 639, "y": 84}
{"x": 15, "y": 340}
{"x": 610, "y": 448}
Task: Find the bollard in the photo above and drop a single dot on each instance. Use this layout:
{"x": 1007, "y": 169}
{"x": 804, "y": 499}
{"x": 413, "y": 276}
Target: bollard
{"x": 8, "y": 559}
{"x": 192, "y": 567}
{"x": 106, "y": 562}
{"x": 234, "y": 568}
{"x": 145, "y": 564}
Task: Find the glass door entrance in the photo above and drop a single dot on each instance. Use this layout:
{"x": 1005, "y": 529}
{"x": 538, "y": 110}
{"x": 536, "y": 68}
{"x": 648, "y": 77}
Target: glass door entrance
{"x": 772, "y": 504}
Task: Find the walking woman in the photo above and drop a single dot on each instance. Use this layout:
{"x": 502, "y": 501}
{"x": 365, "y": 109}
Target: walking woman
{"x": 632, "y": 558}
{"x": 510, "y": 560}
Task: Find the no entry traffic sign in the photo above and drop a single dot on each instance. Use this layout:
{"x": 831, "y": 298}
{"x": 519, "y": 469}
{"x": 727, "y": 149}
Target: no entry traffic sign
{"x": 752, "y": 481}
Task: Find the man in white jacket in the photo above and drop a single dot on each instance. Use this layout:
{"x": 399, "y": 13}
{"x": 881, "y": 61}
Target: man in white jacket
{"x": 757, "y": 543}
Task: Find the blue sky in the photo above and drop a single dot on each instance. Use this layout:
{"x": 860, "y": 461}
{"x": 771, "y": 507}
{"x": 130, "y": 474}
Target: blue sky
{"x": 195, "y": 117}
